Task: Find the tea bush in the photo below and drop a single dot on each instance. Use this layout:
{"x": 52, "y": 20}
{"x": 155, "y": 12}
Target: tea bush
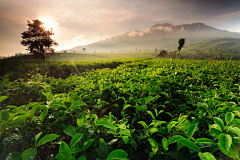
{"x": 147, "y": 109}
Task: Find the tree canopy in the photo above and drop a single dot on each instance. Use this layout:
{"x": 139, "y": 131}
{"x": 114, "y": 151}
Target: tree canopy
{"x": 37, "y": 39}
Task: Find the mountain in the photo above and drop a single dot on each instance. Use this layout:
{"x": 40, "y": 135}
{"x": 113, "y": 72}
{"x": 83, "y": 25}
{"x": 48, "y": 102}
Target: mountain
{"x": 161, "y": 36}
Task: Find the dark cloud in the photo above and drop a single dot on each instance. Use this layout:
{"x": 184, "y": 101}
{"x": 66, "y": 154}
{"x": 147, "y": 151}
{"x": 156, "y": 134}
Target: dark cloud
{"x": 213, "y": 7}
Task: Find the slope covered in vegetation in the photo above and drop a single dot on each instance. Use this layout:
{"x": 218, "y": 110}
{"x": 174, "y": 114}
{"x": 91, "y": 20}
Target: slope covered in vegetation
{"x": 220, "y": 48}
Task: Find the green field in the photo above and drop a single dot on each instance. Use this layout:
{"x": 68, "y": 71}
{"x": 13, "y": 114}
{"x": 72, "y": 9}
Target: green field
{"x": 140, "y": 109}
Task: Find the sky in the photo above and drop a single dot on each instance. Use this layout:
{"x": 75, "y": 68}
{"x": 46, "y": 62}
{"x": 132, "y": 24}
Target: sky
{"x": 82, "y": 22}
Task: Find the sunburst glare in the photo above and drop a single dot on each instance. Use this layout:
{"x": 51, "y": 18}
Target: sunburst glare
{"x": 48, "y": 24}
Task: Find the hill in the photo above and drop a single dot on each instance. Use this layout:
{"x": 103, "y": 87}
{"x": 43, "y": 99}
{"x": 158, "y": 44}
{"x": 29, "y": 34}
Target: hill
{"x": 228, "y": 47}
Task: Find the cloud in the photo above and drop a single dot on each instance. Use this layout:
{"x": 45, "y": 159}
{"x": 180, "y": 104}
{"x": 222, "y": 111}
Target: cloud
{"x": 80, "y": 38}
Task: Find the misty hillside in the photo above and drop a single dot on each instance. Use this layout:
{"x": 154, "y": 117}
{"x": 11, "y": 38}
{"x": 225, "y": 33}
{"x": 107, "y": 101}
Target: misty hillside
{"x": 161, "y": 36}
{"x": 218, "y": 45}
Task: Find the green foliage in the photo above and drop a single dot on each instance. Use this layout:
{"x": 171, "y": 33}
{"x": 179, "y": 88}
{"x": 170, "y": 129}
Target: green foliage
{"x": 117, "y": 154}
{"x": 46, "y": 139}
{"x": 29, "y": 154}
{"x": 206, "y": 156}
{"x": 149, "y": 109}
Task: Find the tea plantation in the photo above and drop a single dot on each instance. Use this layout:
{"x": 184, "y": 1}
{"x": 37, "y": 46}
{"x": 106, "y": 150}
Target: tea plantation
{"x": 148, "y": 109}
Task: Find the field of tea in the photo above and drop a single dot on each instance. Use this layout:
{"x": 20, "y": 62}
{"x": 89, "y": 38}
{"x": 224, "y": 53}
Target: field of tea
{"x": 146, "y": 109}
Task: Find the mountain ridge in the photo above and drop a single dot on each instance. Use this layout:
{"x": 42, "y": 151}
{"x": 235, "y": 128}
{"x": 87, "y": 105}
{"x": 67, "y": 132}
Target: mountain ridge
{"x": 162, "y": 36}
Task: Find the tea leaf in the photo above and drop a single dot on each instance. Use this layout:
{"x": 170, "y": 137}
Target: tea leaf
{"x": 29, "y": 154}
{"x": 153, "y": 130}
{"x": 82, "y": 158}
{"x": 80, "y": 122}
{"x": 192, "y": 128}
{"x": 75, "y": 140}
{"x": 159, "y": 123}
{"x": 117, "y": 154}
{"x": 46, "y": 139}
{"x": 43, "y": 115}
{"x": 189, "y": 144}
{"x": 2, "y": 98}
{"x": 218, "y": 121}
{"x": 78, "y": 104}
{"x": 10, "y": 139}
{"x": 64, "y": 151}
{"x": 153, "y": 142}
{"x": 235, "y": 130}
{"x": 236, "y": 121}
{"x": 125, "y": 132}
{"x": 204, "y": 140}
{"x": 76, "y": 150}
{"x": 213, "y": 148}
{"x": 70, "y": 130}
{"x": 171, "y": 124}
{"x": 230, "y": 152}
{"x": 142, "y": 107}
{"x": 143, "y": 124}
{"x": 87, "y": 144}
{"x": 126, "y": 106}
{"x": 57, "y": 104}
{"x": 174, "y": 139}
{"x": 165, "y": 143}
{"x": 148, "y": 99}
{"x": 106, "y": 123}
{"x": 229, "y": 117}
{"x": 151, "y": 114}
{"x": 133, "y": 143}
{"x": 206, "y": 156}
{"x": 5, "y": 115}
{"x": 125, "y": 139}
{"x": 102, "y": 150}
{"x": 217, "y": 127}
{"x": 20, "y": 119}
{"x": 215, "y": 132}
{"x": 225, "y": 141}
{"x": 182, "y": 118}
{"x": 37, "y": 137}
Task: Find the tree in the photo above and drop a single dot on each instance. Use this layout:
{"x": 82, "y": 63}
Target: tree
{"x": 163, "y": 53}
{"x": 181, "y": 42}
{"x": 37, "y": 39}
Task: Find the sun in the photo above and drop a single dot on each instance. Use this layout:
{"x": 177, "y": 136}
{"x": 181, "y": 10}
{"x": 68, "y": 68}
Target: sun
{"x": 48, "y": 24}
